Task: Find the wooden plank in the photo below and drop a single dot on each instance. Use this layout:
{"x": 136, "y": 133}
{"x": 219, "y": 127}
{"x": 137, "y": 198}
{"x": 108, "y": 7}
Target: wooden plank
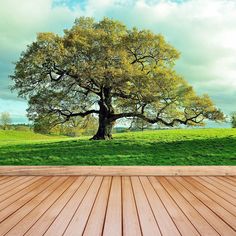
{"x": 17, "y": 216}
{"x": 116, "y": 205}
{"x": 49, "y": 213}
{"x": 10, "y": 200}
{"x": 229, "y": 218}
{"x": 219, "y": 186}
{"x": 224, "y": 183}
{"x": 216, "y": 222}
{"x": 113, "y": 221}
{"x": 217, "y": 191}
{"x": 63, "y": 191}
{"x": 20, "y": 188}
{"x": 81, "y": 215}
{"x": 131, "y": 224}
{"x": 54, "y": 223}
{"x": 183, "y": 224}
{"x": 8, "y": 182}
{"x": 94, "y": 225}
{"x": 221, "y": 201}
{"x": 118, "y": 170}
{"x": 232, "y": 182}
{"x": 148, "y": 222}
{"x": 21, "y": 180}
{"x": 13, "y": 219}
{"x": 7, "y": 179}
{"x": 166, "y": 224}
{"x": 18, "y": 203}
{"x": 3, "y": 177}
{"x": 193, "y": 215}
{"x": 233, "y": 178}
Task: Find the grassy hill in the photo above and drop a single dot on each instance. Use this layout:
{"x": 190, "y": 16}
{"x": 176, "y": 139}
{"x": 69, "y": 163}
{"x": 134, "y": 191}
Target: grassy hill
{"x": 8, "y": 137}
{"x": 162, "y": 147}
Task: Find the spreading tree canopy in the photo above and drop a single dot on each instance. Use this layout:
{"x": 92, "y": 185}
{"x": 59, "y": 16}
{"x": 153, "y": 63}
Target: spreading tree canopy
{"x": 104, "y": 68}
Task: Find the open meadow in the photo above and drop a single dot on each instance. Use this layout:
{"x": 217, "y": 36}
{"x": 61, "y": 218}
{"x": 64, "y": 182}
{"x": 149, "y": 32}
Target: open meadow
{"x": 160, "y": 147}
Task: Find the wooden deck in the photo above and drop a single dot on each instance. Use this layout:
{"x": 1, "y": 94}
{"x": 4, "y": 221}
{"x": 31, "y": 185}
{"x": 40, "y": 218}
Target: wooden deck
{"x": 117, "y": 205}
{"x": 119, "y": 170}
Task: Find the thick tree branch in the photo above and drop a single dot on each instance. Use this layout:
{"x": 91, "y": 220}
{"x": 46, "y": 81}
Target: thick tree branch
{"x": 69, "y": 114}
{"x": 51, "y": 67}
{"x": 158, "y": 119}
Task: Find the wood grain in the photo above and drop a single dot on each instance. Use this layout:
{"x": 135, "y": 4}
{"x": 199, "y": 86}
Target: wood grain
{"x": 117, "y": 205}
{"x": 119, "y": 170}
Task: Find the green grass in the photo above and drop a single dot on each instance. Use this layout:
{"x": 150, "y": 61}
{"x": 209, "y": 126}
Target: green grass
{"x": 164, "y": 147}
{"x": 9, "y": 137}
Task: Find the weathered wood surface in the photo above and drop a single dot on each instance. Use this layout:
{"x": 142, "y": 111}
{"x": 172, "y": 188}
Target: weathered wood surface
{"x": 117, "y": 205}
{"x": 119, "y": 170}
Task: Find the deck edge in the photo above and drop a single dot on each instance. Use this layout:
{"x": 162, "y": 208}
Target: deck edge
{"x": 119, "y": 170}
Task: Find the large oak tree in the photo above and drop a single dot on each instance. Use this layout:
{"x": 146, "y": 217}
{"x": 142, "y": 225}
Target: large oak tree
{"x": 105, "y": 69}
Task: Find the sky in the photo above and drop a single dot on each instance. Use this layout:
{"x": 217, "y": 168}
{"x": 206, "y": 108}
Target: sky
{"x": 204, "y": 31}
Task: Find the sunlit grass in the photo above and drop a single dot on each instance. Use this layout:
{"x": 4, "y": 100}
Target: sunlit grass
{"x": 9, "y": 137}
{"x": 161, "y": 147}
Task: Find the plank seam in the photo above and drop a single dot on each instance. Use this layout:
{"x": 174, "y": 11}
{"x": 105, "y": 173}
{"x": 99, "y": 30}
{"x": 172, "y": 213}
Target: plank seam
{"x": 107, "y": 204}
{"x": 228, "y": 185}
{"x": 164, "y": 206}
{"x": 93, "y": 204}
{"x": 212, "y": 198}
{"x": 26, "y": 193}
{"x": 49, "y": 205}
{"x": 211, "y": 209}
{"x": 37, "y": 178}
{"x": 150, "y": 206}
{"x": 27, "y": 180}
{"x": 207, "y": 181}
{"x": 60, "y": 210}
{"x": 81, "y": 203}
{"x": 179, "y": 207}
{"x": 216, "y": 193}
{"x": 38, "y": 203}
{"x": 136, "y": 207}
{"x": 191, "y": 203}
{"x": 228, "y": 181}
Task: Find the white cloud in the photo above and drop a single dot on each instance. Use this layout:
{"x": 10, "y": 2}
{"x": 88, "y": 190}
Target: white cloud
{"x": 205, "y": 34}
{"x": 204, "y": 31}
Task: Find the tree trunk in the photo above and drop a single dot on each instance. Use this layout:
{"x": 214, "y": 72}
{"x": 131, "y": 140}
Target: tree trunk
{"x": 105, "y": 122}
{"x": 104, "y": 129}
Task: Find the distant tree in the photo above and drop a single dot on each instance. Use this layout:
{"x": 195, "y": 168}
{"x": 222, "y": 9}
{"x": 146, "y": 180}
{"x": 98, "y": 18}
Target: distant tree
{"x": 76, "y": 126}
{"x": 21, "y": 128}
{"x": 5, "y": 120}
{"x": 42, "y": 127}
{"x": 139, "y": 124}
{"x": 106, "y": 69}
{"x": 90, "y": 124}
{"x": 233, "y": 120}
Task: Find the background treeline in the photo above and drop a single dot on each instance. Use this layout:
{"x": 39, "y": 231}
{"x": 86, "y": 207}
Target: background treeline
{"x": 79, "y": 126}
